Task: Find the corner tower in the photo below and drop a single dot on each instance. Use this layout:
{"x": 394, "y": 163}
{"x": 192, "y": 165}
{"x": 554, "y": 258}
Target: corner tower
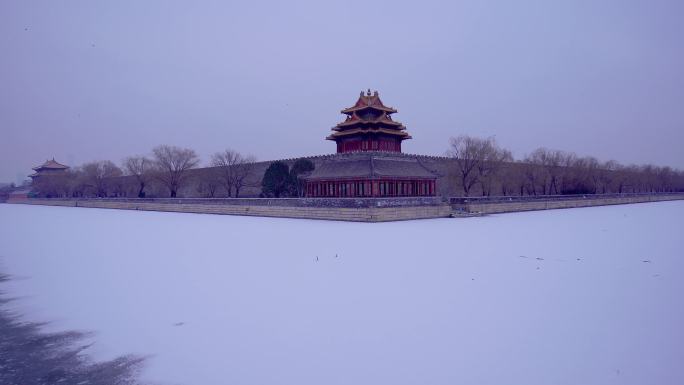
{"x": 369, "y": 127}
{"x": 49, "y": 168}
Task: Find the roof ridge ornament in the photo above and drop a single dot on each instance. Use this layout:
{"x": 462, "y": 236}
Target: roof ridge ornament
{"x": 368, "y": 126}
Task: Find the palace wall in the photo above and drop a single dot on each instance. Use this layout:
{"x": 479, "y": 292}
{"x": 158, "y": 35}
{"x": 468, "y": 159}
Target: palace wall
{"x": 351, "y": 209}
{"x": 340, "y": 209}
{"x": 446, "y": 184}
{"x": 501, "y": 205}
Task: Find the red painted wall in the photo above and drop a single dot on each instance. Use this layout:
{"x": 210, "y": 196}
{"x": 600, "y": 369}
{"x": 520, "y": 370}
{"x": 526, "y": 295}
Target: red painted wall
{"x": 370, "y": 144}
{"x": 375, "y": 188}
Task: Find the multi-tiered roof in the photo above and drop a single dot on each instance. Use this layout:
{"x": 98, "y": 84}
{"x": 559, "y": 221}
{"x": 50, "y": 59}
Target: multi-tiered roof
{"x": 369, "y": 162}
{"x": 50, "y": 167}
{"x": 369, "y": 120}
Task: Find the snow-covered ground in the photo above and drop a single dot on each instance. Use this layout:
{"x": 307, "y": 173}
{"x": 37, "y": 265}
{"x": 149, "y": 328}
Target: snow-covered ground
{"x": 580, "y": 296}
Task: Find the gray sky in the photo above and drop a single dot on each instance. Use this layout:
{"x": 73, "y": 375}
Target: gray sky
{"x": 91, "y": 80}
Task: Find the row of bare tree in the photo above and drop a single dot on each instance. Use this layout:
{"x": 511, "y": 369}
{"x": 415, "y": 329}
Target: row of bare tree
{"x": 483, "y": 165}
{"x": 168, "y": 167}
{"x": 479, "y": 166}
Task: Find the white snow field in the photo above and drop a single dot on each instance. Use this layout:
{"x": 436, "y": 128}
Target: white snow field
{"x": 580, "y": 296}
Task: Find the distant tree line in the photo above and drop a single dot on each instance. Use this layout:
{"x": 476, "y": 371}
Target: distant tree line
{"x": 474, "y": 167}
{"x": 482, "y": 166}
{"x": 167, "y": 169}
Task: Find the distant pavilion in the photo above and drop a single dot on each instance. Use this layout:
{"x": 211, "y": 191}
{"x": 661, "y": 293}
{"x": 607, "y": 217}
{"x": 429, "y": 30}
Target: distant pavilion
{"x": 49, "y": 168}
{"x": 369, "y": 161}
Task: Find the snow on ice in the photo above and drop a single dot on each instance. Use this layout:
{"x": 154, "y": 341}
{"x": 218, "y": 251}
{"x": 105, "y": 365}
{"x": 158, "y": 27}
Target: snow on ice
{"x": 580, "y": 296}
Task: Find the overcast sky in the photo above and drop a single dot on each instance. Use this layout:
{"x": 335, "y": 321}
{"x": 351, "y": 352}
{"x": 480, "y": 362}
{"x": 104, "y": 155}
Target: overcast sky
{"x": 91, "y": 80}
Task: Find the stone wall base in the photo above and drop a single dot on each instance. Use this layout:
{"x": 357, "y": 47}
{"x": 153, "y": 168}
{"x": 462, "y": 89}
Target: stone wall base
{"x": 355, "y": 214}
{"x": 362, "y": 214}
{"x": 516, "y": 206}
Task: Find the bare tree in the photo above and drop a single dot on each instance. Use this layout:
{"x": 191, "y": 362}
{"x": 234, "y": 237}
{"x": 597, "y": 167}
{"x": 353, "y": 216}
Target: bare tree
{"x": 469, "y": 153}
{"x": 233, "y": 169}
{"x": 582, "y": 176}
{"x": 208, "y": 182}
{"x": 139, "y": 167}
{"x": 593, "y": 172}
{"x": 632, "y": 178}
{"x": 172, "y": 164}
{"x": 666, "y": 178}
{"x": 618, "y": 176}
{"x": 482, "y": 162}
{"x": 77, "y": 182}
{"x": 607, "y": 174}
{"x": 244, "y": 170}
{"x": 539, "y": 174}
{"x": 678, "y": 184}
{"x": 52, "y": 186}
{"x": 549, "y": 170}
{"x": 512, "y": 180}
{"x": 532, "y": 176}
{"x": 493, "y": 160}
{"x": 97, "y": 175}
